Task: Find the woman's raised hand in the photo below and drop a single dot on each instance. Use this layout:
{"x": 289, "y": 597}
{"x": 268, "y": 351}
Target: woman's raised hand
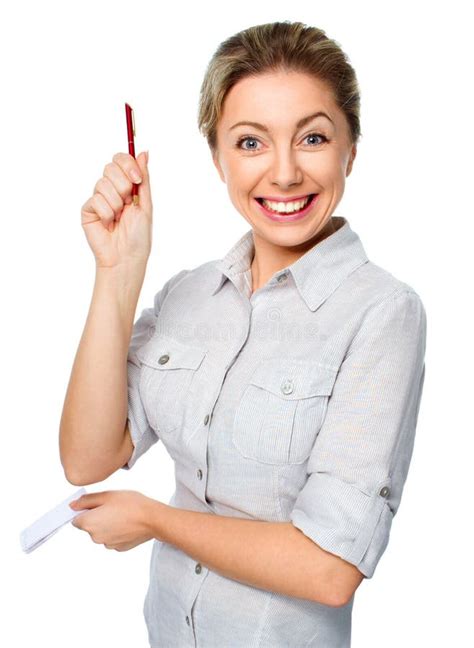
{"x": 118, "y": 231}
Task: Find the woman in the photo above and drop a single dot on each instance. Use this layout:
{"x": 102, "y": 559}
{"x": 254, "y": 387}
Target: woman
{"x": 283, "y": 379}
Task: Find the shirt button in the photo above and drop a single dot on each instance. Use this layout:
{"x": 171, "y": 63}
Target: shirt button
{"x": 187, "y": 620}
{"x": 287, "y": 386}
{"x": 206, "y": 419}
{"x": 164, "y": 359}
{"x": 198, "y": 568}
{"x": 385, "y": 492}
{"x": 282, "y": 277}
{"x": 199, "y": 473}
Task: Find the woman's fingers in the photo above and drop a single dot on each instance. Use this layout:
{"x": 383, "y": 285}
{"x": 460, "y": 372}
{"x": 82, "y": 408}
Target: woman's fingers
{"x": 114, "y": 189}
{"x": 129, "y": 166}
{"x": 107, "y": 189}
{"x": 119, "y": 179}
{"x": 98, "y": 205}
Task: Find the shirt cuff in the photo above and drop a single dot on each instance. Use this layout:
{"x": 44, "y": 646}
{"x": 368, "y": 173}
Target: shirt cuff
{"x": 344, "y": 520}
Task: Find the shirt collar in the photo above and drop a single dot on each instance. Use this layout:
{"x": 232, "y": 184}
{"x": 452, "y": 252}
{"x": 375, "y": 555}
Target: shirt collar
{"x": 316, "y": 274}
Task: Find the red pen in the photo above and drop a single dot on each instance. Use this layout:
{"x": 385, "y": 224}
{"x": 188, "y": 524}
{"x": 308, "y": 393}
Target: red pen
{"x": 131, "y": 144}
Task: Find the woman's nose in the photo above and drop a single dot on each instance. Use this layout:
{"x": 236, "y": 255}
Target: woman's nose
{"x": 285, "y": 170}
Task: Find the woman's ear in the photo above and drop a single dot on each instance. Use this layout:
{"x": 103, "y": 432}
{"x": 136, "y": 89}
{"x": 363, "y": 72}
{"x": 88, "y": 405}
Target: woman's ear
{"x": 351, "y": 159}
{"x": 217, "y": 164}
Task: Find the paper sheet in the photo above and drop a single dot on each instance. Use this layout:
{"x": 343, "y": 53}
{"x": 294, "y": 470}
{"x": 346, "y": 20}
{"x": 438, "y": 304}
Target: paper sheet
{"x": 49, "y": 523}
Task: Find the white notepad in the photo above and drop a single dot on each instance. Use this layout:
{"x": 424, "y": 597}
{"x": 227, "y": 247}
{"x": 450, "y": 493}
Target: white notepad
{"x": 49, "y": 523}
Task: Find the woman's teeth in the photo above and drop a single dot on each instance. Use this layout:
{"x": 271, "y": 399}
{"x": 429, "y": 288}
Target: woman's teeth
{"x": 286, "y": 207}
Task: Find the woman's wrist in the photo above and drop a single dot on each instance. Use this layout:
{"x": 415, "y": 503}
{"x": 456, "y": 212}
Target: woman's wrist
{"x": 121, "y": 285}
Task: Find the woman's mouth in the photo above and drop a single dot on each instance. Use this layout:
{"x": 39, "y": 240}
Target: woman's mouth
{"x": 284, "y": 212}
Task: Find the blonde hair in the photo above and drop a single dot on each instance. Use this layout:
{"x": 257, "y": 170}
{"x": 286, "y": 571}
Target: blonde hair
{"x": 270, "y": 47}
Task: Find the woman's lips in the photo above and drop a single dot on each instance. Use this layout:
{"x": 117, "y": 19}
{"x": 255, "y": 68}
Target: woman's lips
{"x": 288, "y": 218}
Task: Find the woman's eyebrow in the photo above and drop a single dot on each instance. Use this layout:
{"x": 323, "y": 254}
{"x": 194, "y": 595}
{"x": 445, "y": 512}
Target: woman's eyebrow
{"x": 302, "y": 122}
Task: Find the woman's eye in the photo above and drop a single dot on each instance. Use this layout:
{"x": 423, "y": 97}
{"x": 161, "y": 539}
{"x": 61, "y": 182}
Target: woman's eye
{"x": 325, "y": 139}
{"x": 246, "y": 139}
{"x": 253, "y": 139}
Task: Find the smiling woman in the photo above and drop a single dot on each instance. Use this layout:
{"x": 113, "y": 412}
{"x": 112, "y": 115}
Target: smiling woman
{"x": 312, "y": 399}
{"x": 283, "y": 379}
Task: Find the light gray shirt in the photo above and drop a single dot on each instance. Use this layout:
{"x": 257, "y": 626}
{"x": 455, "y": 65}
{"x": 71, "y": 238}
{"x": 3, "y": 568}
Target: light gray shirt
{"x": 297, "y": 403}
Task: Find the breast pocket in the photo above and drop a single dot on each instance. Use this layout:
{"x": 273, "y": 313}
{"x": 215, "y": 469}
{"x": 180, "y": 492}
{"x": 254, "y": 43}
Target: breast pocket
{"x": 168, "y": 370}
{"x": 282, "y": 410}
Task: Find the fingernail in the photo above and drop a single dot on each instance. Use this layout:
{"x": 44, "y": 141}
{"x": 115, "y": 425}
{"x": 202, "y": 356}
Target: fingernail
{"x": 135, "y": 176}
{"x": 147, "y": 156}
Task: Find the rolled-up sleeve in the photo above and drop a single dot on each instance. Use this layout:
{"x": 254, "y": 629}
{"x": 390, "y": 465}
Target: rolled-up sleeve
{"x": 359, "y": 463}
{"x": 142, "y": 434}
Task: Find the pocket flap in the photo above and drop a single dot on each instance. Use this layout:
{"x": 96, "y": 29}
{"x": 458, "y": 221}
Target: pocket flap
{"x": 294, "y": 379}
{"x": 179, "y": 355}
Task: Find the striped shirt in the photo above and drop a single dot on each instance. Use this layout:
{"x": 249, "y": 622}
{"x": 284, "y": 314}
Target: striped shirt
{"x": 297, "y": 402}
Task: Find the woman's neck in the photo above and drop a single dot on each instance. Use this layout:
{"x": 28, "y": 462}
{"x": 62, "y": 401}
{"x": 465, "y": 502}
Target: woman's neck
{"x": 269, "y": 258}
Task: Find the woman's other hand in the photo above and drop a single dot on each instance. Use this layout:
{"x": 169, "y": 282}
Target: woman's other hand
{"x": 119, "y": 520}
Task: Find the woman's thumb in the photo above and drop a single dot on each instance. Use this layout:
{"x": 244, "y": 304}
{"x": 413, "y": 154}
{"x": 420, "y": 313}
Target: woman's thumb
{"x": 142, "y": 161}
{"x": 144, "y": 194}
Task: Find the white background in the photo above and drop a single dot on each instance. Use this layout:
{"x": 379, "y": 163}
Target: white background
{"x": 67, "y": 70}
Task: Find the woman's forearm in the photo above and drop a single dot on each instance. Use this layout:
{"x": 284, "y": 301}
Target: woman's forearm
{"x": 274, "y": 556}
{"x": 95, "y": 408}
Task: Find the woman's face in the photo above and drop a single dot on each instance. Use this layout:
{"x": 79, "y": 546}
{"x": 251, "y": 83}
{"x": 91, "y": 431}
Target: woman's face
{"x": 287, "y": 160}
